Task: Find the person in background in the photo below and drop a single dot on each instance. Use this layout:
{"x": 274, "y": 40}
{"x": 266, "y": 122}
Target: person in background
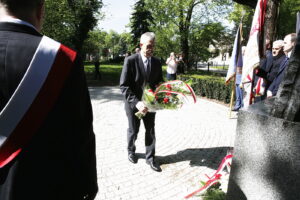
{"x": 238, "y": 78}
{"x": 47, "y": 150}
{"x": 127, "y": 54}
{"x": 171, "y": 67}
{"x": 137, "y": 50}
{"x": 265, "y": 64}
{"x": 180, "y": 64}
{"x": 97, "y": 69}
{"x": 139, "y": 70}
{"x": 289, "y": 43}
{"x": 269, "y": 73}
{"x": 268, "y": 59}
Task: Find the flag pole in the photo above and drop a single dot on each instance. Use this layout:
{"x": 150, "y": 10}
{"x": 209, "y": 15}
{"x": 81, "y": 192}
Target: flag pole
{"x": 231, "y": 98}
{"x": 234, "y": 79}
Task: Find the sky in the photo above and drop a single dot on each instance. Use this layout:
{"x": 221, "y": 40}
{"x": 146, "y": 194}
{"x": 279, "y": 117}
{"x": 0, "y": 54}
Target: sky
{"x": 117, "y": 14}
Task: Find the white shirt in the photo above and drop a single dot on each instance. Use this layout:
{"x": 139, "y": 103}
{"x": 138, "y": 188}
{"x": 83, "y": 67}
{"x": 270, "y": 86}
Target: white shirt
{"x": 172, "y": 66}
{"x": 145, "y": 61}
{"x": 289, "y": 54}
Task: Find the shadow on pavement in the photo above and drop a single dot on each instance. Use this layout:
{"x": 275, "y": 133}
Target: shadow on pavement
{"x": 209, "y": 157}
{"x": 105, "y": 94}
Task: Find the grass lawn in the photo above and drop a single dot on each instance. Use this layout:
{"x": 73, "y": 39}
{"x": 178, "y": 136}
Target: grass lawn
{"x": 220, "y": 67}
{"x": 110, "y": 74}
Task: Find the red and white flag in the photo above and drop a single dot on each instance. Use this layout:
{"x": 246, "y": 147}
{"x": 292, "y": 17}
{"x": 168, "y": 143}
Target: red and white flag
{"x": 253, "y": 51}
{"x": 34, "y": 97}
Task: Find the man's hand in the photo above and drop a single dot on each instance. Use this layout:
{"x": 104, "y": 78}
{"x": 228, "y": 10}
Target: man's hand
{"x": 141, "y": 107}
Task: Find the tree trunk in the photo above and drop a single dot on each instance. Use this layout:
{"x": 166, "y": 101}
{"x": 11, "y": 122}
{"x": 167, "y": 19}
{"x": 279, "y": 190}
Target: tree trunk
{"x": 184, "y": 28}
{"x": 270, "y": 21}
{"x": 185, "y": 48}
{"x": 251, "y": 3}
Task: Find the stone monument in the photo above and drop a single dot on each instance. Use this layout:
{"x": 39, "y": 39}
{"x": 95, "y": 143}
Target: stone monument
{"x": 266, "y": 159}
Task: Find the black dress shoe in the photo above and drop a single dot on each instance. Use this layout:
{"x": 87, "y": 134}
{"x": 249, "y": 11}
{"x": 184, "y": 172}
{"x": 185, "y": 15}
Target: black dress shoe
{"x": 154, "y": 166}
{"x": 132, "y": 158}
{"x": 235, "y": 109}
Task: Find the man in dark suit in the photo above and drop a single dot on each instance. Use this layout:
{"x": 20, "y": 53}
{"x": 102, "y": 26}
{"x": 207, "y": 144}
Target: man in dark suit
{"x": 270, "y": 71}
{"x": 139, "y": 70}
{"x": 288, "y": 45}
{"x": 48, "y": 151}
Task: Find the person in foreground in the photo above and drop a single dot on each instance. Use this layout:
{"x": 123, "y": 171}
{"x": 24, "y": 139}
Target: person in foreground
{"x": 139, "y": 70}
{"x": 47, "y": 143}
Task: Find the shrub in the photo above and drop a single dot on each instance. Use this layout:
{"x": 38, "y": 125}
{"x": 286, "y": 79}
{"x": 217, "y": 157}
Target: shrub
{"x": 210, "y": 86}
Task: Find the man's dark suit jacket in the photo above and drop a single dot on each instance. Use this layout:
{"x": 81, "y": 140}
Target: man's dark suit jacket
{"x": 277, "y": 80}
{"x": 59, "y": 163}
{"x": 133, "y": 78}
{"x": 270, "y": 73}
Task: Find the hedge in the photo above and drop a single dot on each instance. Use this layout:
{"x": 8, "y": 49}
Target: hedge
{"x": 210, "y": 86}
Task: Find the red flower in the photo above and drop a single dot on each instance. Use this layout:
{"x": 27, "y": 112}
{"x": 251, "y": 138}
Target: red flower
{"x": 218, "y": 176}
{"x": 168, "y": 86}
{"x": 150, "y": 90}
{"x": 166, "y": 100}
{"x": 168, "y": 93}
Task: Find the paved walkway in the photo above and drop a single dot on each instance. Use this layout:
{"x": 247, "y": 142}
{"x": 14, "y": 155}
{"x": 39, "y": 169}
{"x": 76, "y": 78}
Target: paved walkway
{"x": 191, "y": 142}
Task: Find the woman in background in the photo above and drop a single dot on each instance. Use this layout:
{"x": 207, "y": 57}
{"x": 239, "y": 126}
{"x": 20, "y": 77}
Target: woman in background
{"x": 171, "y": 67}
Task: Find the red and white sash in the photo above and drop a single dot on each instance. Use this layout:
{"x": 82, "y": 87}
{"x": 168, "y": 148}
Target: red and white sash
{"x": 34, "y": 97}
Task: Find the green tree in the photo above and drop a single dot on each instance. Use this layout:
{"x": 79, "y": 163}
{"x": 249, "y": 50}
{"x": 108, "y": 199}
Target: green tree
{"x": 112, "y": 43}
{"x": 69, "y": 21}
{"x": 167, "y": 41}
{"x": 140, "y": 21}
{"x": 185, "y": 16}
{"x": 211, "y": 38}
{"x": 84, "y": 19}
{"x": 95, "y": 42}
{"x": 242, "y": 14}
{"x": 125, "y": 43}
{"x": 108, "y": 45}
{"x": 287, "y": 18}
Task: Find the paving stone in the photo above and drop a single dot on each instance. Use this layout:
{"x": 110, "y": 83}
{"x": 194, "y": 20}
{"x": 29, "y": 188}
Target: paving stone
{"x": 191, "y": 142}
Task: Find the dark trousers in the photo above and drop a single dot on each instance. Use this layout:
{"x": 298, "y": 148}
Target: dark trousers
{"x": 133, "y": 130}
{"x": 171, "y": 76}
{"x": 97, "y": 74}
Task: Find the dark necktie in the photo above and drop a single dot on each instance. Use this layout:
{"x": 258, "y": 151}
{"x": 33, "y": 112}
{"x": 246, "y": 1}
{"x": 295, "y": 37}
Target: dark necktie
{"x": 284, "y": 64}
{"x": 148, "y": 69}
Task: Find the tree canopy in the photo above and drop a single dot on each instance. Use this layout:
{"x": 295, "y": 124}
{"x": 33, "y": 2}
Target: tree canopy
{"x": 69, "y": 21}
{"x": 196, "y": 28}
{"x": 178, "y": 22}
{"x": 140, "y": 21}
{"x": 287, "y": 18}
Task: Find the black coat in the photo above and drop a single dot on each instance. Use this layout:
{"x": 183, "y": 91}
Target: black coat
{"x": 271, "y": 72}
{"x": 279, "y": 76}
{"x": 59, "y": 162}
{"x": 133, "y": 78}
